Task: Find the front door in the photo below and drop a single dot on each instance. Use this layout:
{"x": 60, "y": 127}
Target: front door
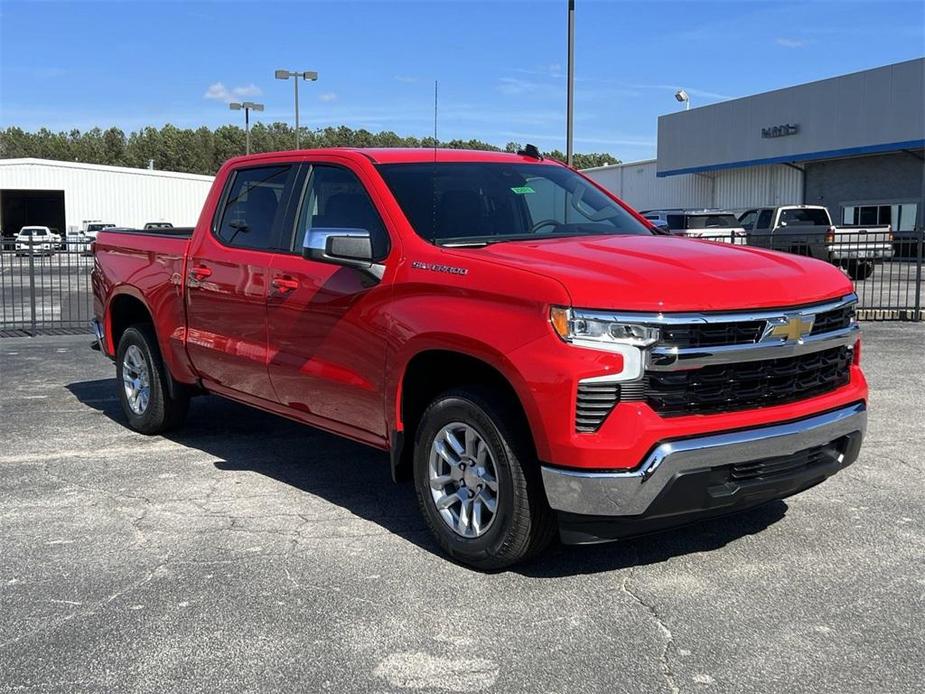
{"x": 227, "y": 280}
{"x": 327, "y": 337}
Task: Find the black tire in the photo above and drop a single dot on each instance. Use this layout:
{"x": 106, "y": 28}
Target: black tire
{"x": 523, "y": 524}
{"x": 860, "y": 270}
{"x": 162, "y": 412}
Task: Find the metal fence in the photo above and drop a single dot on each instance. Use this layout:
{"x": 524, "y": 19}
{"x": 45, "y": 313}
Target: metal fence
{"x": 46, "y": 290}
{"x": 886, "y": 269}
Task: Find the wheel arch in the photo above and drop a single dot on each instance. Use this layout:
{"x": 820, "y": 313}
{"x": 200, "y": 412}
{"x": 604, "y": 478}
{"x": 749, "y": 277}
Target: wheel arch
{"x": 436, "y": 368}
{"x": 125, "y": 308}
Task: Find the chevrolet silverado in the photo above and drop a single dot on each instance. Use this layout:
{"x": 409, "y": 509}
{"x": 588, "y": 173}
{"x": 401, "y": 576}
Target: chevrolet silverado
{"x": 518, "y": 340}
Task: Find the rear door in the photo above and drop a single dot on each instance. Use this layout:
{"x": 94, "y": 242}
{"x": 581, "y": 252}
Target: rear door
{"x": 227, "y": 280}
{"x": 326, "y": 330}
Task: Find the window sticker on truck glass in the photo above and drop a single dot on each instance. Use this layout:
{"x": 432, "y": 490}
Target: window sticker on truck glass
{"x": 523, "y": 190}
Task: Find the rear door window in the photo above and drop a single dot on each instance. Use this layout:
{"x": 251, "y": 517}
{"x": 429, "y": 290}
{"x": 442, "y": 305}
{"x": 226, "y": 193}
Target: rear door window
{"x": 252, "y": 205}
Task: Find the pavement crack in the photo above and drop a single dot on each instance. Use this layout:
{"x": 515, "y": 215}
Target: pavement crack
{"x": 90, "y": 609}
{"x": 664, "y": 658}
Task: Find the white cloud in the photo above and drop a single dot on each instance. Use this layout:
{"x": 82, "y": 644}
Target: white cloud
{"x": 327, "y": 97}
{"x": 790, "y": 42}
{"x": 217, "y": 91}
{"x": 407, "y": 79}
{"x": 247, "y": 90}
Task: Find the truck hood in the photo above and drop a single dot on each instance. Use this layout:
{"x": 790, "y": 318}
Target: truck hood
{"x": 662, "y": 273}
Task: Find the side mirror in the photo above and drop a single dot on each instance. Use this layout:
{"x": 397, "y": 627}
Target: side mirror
{"x": 349, "y": 247}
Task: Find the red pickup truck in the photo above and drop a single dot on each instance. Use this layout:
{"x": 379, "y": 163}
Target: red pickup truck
{"x": 529, "y": 352}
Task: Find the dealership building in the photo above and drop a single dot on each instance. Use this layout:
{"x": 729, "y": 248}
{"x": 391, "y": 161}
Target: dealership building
{"x": 63, "y": 195}
{"x": 854, "y": 143}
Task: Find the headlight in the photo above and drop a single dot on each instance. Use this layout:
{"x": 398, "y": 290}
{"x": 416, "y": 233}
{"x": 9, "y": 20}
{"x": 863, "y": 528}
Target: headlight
{"x": 596, "y": 328}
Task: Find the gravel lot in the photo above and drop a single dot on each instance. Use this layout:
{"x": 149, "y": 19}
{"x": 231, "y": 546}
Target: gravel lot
{"x": 248, "y": 553}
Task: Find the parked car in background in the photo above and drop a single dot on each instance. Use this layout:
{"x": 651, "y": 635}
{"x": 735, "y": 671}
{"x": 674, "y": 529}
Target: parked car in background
{"x": 158, "y": 225}
{"x": 714, "y": 225}
{"x": 57, "y": 237}
{"x": 519, "y": 341}
{"x": 808, "y": 230}
{"x": 91, "y": 228}
{"x": 35, "y": 241}
{"x": 76, "y": 240}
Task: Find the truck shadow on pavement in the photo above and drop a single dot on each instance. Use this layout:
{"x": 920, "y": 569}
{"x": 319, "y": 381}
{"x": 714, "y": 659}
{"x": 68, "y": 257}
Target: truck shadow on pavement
{"x": 312, "y": 461}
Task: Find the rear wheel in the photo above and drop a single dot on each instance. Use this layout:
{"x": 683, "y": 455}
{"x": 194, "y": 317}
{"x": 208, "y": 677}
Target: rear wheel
{"x": 143, "y": 386}
{"x": 477, "y": 481}
{"x": 860, "y": 269}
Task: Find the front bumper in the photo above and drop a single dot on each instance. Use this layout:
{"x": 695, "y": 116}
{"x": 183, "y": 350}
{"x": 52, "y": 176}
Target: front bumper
{"x": 661, "y": 486}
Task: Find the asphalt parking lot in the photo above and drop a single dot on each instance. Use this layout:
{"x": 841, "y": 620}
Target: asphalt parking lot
{"x": 247, "y": 553}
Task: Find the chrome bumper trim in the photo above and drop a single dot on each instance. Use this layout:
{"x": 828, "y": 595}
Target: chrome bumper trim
{"x": 631, "y": 493}
{"x": 676, "y": 359}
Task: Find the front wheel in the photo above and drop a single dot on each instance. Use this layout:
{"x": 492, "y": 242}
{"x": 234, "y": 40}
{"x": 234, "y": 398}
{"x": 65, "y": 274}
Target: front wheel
{"x": 142, "y": 382}
{"x": 477, "y": 482}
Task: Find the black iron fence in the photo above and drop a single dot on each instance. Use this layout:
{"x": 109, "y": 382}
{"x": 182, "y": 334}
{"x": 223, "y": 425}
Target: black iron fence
{"x": 47, "y": 290}
{"x": 885, "y": 267}
{"x": 44, "y": 289}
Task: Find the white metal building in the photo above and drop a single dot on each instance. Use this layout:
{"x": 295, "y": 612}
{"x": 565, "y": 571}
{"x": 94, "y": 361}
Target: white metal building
{"x": 62, "y": 195}
{"x": 731, "y": 189}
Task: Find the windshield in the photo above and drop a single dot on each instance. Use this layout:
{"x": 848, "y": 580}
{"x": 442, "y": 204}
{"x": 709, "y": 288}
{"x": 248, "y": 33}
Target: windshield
{"x": 474, "y": 203}
{"x": 712, "y": 221}
{"x": 32, "y": 232}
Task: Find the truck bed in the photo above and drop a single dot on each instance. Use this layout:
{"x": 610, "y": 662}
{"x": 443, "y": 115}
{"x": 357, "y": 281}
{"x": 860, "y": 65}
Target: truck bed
{"x": 153, "y": 264}
{"x": 173, "y": 232}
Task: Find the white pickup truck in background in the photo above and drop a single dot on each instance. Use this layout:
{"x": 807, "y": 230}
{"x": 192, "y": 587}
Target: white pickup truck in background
{"x": 808, "y": 230}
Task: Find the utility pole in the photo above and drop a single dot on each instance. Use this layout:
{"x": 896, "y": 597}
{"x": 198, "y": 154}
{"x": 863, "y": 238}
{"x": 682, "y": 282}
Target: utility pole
{"x": 570, "y": 107}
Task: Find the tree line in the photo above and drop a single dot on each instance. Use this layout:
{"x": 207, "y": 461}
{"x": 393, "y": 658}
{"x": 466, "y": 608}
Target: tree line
{"x": 203, "y": 150}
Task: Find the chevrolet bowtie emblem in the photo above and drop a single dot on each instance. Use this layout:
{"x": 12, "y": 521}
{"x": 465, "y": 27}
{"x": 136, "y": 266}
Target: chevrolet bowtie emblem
{"x": 791, "y": 328}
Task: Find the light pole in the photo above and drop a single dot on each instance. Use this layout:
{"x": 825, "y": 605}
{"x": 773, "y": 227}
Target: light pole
{"x": 248, "y": 106}
{"x": 308, "y": 76}
{"x": 570, "y": 100}
{"x": 683, "y": 97}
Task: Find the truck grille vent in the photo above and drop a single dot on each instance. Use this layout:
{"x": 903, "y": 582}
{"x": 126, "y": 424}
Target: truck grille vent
{"x": 712, "y": 334}
{"x": 730, "y": 387}
{"x": 595, "y": 402}
{"x": 833, "y": 320}
{"x": 784, "y": 465}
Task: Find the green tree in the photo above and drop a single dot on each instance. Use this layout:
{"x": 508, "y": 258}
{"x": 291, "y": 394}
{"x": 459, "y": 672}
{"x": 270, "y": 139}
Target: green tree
{"x": 204, "y": 150}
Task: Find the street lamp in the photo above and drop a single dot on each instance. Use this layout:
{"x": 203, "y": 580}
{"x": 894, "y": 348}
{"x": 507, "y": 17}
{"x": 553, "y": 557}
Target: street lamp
{"x": 248, "y": 106}
{"x": 308, "y": 76}
{"x": 683, "y": 97}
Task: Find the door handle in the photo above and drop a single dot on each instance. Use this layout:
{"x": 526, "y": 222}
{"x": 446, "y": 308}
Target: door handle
{"x": 284, "y": 284}
{"x": 200, "y": 272}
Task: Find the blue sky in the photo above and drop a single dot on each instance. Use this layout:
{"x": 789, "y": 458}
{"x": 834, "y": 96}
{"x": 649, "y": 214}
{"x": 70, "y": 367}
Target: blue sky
{"x": 500, "y": 65}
